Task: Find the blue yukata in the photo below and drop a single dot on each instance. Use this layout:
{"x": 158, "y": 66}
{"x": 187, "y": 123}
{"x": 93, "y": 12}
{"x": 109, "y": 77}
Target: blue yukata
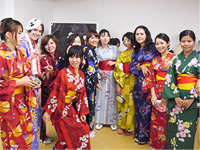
{"x": 141, "y": 96}
{"x": 92, "y": 77}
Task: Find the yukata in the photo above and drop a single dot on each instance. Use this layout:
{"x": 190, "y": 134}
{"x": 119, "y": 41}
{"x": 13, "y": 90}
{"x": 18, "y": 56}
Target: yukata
{"x": 47, "y": 82}
{"x": 180, "y": 82}
{"x": 92, "y": 77}
{"x": 126, "y": 80}
{"x": 158, "y": 117}
{"x": 106, "y": 105}
{"x": 66, "y": 104}
{"x": 15, "y": 101}
{"x": 141, "y": 93}
{"x": 26, "y": 46}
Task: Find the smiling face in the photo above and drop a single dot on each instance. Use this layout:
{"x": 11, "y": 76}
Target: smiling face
{"x": 127, "y": 43}
{"x": 161, "y": 45}
{"x": 50, "y": 47}
{"x": 140, "y": 36}
{"x": 35, "y": 33}
{"x": 93, "y": 41}
{"x": 77, "y": 41}
{"x": 75, "y": 62}
{"x": 187, "y": 43}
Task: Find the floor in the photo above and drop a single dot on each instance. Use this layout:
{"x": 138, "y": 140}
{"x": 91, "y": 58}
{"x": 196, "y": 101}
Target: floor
{"x": 107, "y": 139}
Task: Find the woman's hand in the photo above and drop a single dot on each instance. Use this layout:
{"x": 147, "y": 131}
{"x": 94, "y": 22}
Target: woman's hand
{"x": 110, "y": 63}
{"x": 179, "y": 101}
{"x": 187, "y": 103}
{"x": 27, "y": 81}
{"x": 153, "y": 99}
{"x": 163, "y": 102}
{"x": 197, "y": 88}
{"x": 98, "y": 85}
{"x": 102, "y": 74}
{"x": 145, "y": 70}
{"x": 83, "y": 118}
{"x": 34, "y": 52}
{"x": 118, "y": 89}
{"x": 46, "y": 117}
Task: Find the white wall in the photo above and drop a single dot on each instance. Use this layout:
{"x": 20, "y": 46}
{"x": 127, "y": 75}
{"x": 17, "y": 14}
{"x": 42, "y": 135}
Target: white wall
{"x": 118, "y": 16}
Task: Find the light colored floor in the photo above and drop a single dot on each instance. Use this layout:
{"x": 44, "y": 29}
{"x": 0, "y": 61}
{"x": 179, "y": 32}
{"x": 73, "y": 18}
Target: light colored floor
{"x": 107, "y": 139}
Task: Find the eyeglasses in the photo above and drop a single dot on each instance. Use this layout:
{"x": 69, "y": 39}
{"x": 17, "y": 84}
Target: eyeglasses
{"x": 126, "y": 41}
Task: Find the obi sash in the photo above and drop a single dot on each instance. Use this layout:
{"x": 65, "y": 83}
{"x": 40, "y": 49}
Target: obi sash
{"x": 186, "y": 81}
{"x": 18, "y": 89}
{"x": 146, "y": 63}
{"x": 126, "y": 67}
{"x": 103, "y": 65}
{"x": 160, "y": 76}
{"x": 71, "y": 95}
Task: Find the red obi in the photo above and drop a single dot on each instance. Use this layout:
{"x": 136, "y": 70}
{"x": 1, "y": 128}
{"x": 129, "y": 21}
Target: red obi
{"x": 186, "y": 81}
{"x": 103, "y": 65}
{"x": 126, "y": 67}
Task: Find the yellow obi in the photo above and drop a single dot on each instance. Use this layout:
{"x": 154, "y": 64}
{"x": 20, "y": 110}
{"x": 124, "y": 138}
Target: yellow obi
{"x": 70, "y": 96}
{"x": 18, "y": 89}
{"x": 160, "y": 76}
{"x": 186, "y": 81}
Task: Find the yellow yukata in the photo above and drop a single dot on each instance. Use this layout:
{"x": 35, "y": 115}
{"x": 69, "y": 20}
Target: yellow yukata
{"x": 126, "y": 80}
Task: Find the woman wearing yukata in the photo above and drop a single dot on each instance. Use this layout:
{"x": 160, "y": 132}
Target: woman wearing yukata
{"x": 49, "y": 67}
{"x": 68, "y": 105}
{"x": 125, "y": 82}
{"x": 159, "y": 114}
{"x": 179, "y": 90}
{"x": 30, "y": 46}
{"x": 92, "y": 75}
{"x": 142, "y": 56}
{"x": 16, "y": 84}
{"x": 106, "y": 105}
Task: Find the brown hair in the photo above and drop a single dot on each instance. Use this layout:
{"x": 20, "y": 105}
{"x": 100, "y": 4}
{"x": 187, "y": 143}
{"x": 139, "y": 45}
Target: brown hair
{"x": 9, "y": 25}
{"x": 45, "y": 40}
{"x": 89, "y": 35}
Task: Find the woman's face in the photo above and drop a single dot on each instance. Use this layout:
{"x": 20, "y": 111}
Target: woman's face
{"x": 93, "y": 41}
{"x": 77, "y": 41}
{"x": 104, "y": 38}
{"x": 17, "y": 41}
{"x": 50, "y": 47}
{"x": 127, "y": 43}
{"x": 187, "y": 43}
{"x": 35, "y": 33}
{"x": 140, "y": 36}
{"x": 161, "y": 45}
{"x": 75, "y": 62}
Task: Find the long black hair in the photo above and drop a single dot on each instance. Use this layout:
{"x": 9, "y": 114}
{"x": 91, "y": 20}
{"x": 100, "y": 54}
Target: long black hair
{"x": 148, "y": 41}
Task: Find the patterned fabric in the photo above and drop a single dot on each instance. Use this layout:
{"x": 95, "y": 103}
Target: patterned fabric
{"x": 66, "y": 116}
{"x": 159, "y": 119}
{"x": 47, "y": 82}
{"x": 126, "y": 110}
{"x": 26, "y": 47}
{"x": 15, "y": 101}
{"x": 92, "y": 77}
{"x": 106, "y": 105}
{"x": 181, "y": 123}
{"x": 141, "y": 98}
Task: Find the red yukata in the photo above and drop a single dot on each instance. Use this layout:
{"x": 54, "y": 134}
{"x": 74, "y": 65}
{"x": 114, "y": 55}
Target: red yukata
{"x": 15, "y": 118}
{"x": 159, "y": 119}
{"x": 66, "y": 104}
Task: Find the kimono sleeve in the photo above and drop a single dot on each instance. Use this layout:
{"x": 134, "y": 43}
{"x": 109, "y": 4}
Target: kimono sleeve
{"x": 92, "y": 68}
{"x": 153, "y": 73}
{"x": 84, "y": 110}
{"x": 170, "y": 89}
{"x": 133, "y": 65}
{"x": 52, "y": 102}
{"x": 7, "y": 86}
{"x": 118, "y": 71}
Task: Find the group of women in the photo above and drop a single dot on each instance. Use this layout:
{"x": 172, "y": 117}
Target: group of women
{"x": 144, "y": 91}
